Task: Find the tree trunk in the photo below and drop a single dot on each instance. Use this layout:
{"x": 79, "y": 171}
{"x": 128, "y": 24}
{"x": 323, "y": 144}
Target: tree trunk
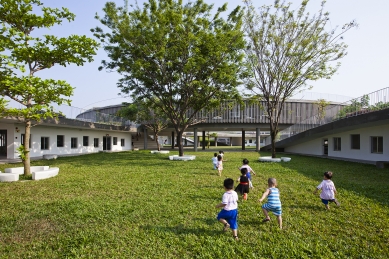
{"x": 26, "y": 161}
{"x": 273, "y": 135}
{"x": 179, "y": 143}
{"x": 156, "y": 140}
{"x": 273, "y": 144}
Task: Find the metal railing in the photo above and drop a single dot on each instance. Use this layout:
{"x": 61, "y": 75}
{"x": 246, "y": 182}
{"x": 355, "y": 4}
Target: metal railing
{"x": 90, "y": 115}
{"x": 249, "y": 113}
{"x": 374, "y": 101}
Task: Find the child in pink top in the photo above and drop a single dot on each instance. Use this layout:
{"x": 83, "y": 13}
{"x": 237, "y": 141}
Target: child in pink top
{"x": 219, "y": 164}
{"x": 328, "y": 190}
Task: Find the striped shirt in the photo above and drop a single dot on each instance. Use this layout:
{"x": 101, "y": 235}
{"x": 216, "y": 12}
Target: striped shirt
{"x": 273, "y": 199}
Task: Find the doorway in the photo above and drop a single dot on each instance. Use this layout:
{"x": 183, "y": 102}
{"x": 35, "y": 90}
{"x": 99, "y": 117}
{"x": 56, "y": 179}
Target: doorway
{"x": 325, "y": 147}
{"x": 106, "y": 142}
{"x": 3, "y": 143}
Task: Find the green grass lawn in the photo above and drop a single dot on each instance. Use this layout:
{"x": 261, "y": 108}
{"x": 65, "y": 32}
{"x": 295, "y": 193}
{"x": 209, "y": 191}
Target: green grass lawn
{"x": 142, "y": 205}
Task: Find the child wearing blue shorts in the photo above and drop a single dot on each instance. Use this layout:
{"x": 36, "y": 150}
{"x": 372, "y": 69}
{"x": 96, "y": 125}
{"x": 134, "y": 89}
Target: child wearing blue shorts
{"x": 273, "y": 201}
{"x": 328, "y": 190}
{"x": 228, "y": 216}
{"x": 245, "y": 164}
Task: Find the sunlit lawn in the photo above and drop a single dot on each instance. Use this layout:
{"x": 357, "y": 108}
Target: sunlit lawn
{"x": 142, "y": 205}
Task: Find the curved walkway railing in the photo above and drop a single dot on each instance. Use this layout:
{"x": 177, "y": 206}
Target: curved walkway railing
{"x": 90, "y": 115}
{"x": 374, "y": 101}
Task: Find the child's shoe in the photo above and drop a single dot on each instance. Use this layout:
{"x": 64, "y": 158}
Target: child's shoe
{"x": 337, "y": 202}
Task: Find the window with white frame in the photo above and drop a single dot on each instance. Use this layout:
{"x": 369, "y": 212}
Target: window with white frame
{"x": 337, "y": 144}
{"x": 115, "y": 140}
{"x": 122, "y": 142}
{"x": 73, "y": 143}
{"x": 60, "y": 140}
{"x": 96, "y": 142}
{"x": 377, "y": 145}
{"x": 355, "y": 141}
{"x": 44, "y": 143}
{"x": 85, "y": 141}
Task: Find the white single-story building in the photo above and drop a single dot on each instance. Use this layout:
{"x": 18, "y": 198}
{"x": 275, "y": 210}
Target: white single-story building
{"x": 63, "y": 137}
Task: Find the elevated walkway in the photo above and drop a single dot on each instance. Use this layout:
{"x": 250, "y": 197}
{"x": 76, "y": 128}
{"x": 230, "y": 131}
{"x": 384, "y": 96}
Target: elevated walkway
{"x": 373, "y": 118}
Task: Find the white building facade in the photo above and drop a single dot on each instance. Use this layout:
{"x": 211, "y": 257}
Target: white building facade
{"x": 67, "y": 138}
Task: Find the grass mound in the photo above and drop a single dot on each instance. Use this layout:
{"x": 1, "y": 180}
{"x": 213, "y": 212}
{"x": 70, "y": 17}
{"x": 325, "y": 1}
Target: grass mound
{"x": 142, "y": 205}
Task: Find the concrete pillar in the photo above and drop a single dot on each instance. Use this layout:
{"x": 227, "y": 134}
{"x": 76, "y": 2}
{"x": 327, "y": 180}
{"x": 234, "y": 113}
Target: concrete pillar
{"x": 258, "y": 139}
{"x": 195, "y": 139}
{"x": 203, "y": 141}
{"x": 243, "y": 140}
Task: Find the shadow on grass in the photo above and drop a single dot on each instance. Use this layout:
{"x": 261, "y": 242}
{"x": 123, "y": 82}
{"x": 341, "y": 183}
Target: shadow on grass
{"x": 362, "y": 179}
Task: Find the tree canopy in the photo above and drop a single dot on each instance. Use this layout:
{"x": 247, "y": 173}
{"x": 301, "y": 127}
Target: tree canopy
{"x": 147, "y": 114}
{"x": 22, "y": 55}
{"x": 181, "y": 54}
{"x": 286, "y": 50}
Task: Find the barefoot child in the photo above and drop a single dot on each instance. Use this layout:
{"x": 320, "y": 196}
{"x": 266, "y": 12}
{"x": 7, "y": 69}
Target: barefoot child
{"x": 229, "y": 214}
{"x": 273, "y": 201}
{"x": 328, "y": 190}
{"x": 245, "y": 164}
{"x": 219, "y": 164}
{"x": 243, "y": 186}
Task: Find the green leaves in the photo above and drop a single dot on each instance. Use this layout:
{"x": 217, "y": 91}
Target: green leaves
{"x": 177, "y": 53}
{"x": 21, "y": 53}
{"x": 287, "y": 49}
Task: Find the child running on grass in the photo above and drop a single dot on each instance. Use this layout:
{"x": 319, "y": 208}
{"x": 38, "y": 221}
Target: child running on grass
{"x": 229, "y": 214}
{"x": 328, "y": 190}
{"x": 243, "y": 186}
{"x": 214, "y": 161}
{"x": 273, "y": 201}
{"x": 245, "y": 164}
{"x": 219, "y": 164}
{"x": 221, "y": 152}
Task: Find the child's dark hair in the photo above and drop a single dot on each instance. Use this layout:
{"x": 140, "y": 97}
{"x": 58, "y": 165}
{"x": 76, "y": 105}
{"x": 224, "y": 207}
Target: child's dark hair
{"x": 328, "y": 174}
{"x": 219, "y": 158}
{"x": 221, "y": 152}
{"x": 229, "y": 184}
{"x": 215, "y": 154}
{"x": 245, "y": 161}
{"x": 243, "y": 170}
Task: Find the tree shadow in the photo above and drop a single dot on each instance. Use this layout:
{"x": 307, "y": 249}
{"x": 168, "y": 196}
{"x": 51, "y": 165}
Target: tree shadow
{"x": 361, "y": 179}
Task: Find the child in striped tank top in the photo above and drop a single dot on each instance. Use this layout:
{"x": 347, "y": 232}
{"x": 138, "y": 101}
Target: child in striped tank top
{"x": 273, "y": 201}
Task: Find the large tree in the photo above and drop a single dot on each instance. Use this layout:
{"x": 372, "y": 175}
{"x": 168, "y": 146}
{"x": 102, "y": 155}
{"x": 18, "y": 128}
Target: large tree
{"x": 148, "y": 114}
{"x": 181, "y": 54}
{"x": 287, "y": 49}
{"x": 23, "y": 55}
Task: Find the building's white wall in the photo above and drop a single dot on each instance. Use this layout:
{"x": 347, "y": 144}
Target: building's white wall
{"x": 364, "y": 153}
{"x": 313, "y": 147}
{"x": 11, "y": 135}
{"x": 51, "y": 132}
{"x": 236, "y": 141}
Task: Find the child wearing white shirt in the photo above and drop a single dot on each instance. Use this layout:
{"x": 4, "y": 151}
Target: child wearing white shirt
{"x": 328, "y": 190}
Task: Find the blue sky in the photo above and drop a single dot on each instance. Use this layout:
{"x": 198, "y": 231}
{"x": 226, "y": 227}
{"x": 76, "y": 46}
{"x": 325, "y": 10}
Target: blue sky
{"x": 363, "y": 70}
